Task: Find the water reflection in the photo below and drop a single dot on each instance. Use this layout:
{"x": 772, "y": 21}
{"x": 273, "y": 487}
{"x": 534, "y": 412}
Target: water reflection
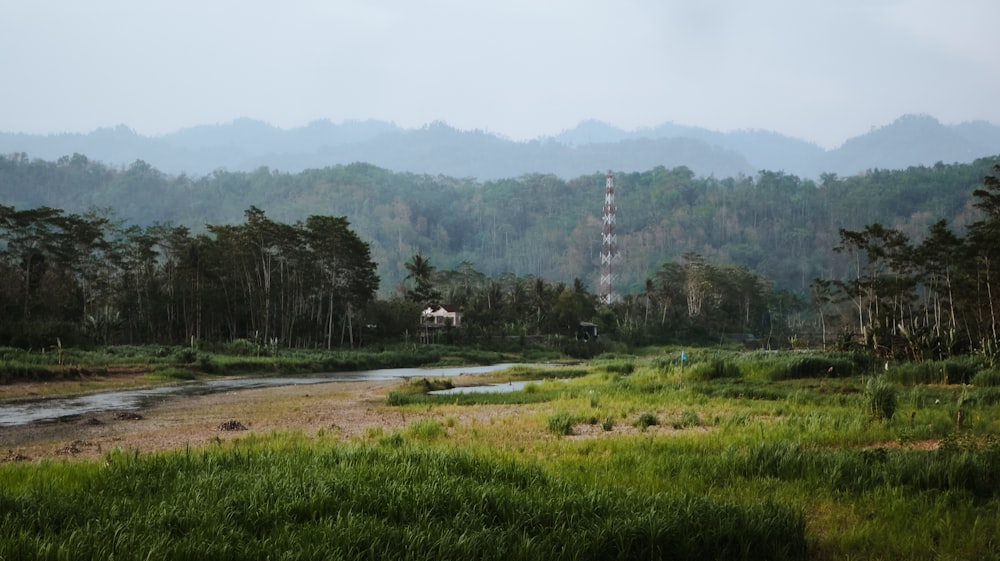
{"x": 503, "y": 387}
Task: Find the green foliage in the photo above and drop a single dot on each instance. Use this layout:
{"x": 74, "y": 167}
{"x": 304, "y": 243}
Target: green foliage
{"x": 174, "y": 373}
{"x": 796, "y": 365}
{"x": 426, "y": 430}
{"x": 950, "y": 371}
{"x": 646, "y": 420}
{"x": 953, "y": 468}
{"x": 799, "y": 443}
{"x": 689, "y": 418}
{"x": 561, "y": 423}
{"x": 712, "y": 369}
{"x": 310, "y": 282}
{"x": 360, "y": 502}
{"x": 733, "y": 388}
{"x": 618, "y": 366}
{"x": 880, "y": 399}
{"x": 987, "y": 378}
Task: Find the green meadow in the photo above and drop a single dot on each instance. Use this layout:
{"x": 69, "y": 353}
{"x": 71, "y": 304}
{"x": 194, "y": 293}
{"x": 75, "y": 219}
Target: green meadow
{"x": 729, "y": 455}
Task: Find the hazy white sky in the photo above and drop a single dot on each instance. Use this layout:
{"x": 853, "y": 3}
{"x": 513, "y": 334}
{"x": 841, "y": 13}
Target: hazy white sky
{"x": 820, "y": 70}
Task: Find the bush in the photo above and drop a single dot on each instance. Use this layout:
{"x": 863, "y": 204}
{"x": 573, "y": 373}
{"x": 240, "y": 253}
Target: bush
{"x": 646, "y": 420}
{"x": 792, "y": 366}
{"x": 987, "y": 378}
{"x": 172, "y": 373}
{"x": 619, "y": 367}
{"x": 880, "y": 399}
{"x": 689, "y": 418}
{"x": 185, "y": 355}
{"x": 713, "y": 369}
{"x": 561, "y": 423}
{"x": 952, "y": 371}
{"x": 426, "y": 429}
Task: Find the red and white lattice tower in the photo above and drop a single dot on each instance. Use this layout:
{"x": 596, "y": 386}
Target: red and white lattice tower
{"x": 609, "y": 248}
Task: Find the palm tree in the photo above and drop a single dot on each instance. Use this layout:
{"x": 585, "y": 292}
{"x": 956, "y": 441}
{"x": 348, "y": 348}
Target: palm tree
{"x": 421, "y": 272}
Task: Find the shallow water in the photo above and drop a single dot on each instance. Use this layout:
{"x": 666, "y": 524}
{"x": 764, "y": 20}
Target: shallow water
{"x": 25, "y": 411}
{"x": 502, "y": 387}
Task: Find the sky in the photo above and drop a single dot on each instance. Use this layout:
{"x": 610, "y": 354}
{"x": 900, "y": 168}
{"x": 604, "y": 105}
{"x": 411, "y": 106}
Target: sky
{"x": 818, "y": 70}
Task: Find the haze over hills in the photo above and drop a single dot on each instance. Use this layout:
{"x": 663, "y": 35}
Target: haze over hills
{"x": 438, "y": 149}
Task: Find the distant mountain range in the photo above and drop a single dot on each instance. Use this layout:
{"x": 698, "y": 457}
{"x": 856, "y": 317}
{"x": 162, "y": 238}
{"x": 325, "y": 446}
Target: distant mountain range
{"x": 438, "y": 149}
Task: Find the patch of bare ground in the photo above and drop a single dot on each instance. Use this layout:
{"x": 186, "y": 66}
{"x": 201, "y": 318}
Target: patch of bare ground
{"x": 347, "y": 409}
{"x": 343, "y": 410}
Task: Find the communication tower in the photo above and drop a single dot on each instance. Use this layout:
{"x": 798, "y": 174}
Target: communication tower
{"x": 609, "y": 247}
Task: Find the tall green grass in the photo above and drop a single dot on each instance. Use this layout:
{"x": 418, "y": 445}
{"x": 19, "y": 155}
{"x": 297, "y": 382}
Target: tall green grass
{"x": 366, "y": 502}
{"x": 784, "y": 439}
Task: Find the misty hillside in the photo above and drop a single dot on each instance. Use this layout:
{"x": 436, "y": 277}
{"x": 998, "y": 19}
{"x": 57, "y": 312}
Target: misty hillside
{"x": 777, "y": 225}
{"x": 438, "y": 149}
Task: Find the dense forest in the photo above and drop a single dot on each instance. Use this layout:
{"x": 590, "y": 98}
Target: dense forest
{"x": 698, "y": 254}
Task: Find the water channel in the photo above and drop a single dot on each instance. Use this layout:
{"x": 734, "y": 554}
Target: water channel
{"x": 56, "y": 408}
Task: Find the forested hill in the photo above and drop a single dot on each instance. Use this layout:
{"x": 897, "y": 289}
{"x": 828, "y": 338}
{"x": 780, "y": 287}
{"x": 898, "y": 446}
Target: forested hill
{"x": 437, "y": 149}
{"x": 778, "y": 225}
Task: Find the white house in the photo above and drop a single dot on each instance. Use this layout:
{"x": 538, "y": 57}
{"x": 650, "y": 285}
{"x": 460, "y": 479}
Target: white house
{"x": 442, "y": 315}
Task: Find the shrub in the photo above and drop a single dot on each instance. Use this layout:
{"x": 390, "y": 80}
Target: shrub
{"x": 987, "y": 378}
{"x": 619, "y": 367}
{"x": 561, "y": 423}
{"x": 646, "y": 420}
{"x": 880, "y": 399}
{"x": 952, "y": 371}
{"x": 713, "y": 370}
{"x": 689, "y": 418}
{"x": 425, "y": 429}
{"x": 184, "y": 355}
{"x": 608, "y": 423}
{"x": 396, "y": 399}
{"x": 172, "y": 373}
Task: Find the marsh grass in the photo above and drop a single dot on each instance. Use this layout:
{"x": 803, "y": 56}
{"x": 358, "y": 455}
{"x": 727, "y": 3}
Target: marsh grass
{"x": 561, "y": 423}
{"x": 987, "y": 378}
{"x": 266, "y": 500}
{"x": 880, "y": 399}
{"x": 951, "y": 371}
{"x": 173, "y": 373}
{"x": 426, "y": 430}
{"x": 646, "y": 420}
{"x": 790, "y": 468}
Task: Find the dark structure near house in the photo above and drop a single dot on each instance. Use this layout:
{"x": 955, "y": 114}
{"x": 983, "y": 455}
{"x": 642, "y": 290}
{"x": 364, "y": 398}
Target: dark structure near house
{"x": 586, "y": 331}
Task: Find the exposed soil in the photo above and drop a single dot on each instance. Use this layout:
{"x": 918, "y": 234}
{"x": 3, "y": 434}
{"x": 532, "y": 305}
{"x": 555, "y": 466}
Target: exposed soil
{"x": 347, "y": 408}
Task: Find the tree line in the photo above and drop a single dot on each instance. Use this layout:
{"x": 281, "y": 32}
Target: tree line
{"x": 71, "y": 278}
{"x": 777, "y": 225}
{"x": 701, "y": 257}
{"x": 935, "y": 298}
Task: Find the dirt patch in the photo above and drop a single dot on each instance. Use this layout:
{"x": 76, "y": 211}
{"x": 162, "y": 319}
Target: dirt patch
{"x": 349, "y": 409}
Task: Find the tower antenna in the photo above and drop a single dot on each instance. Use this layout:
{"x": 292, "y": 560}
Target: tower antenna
{"x": 609, "y": 245}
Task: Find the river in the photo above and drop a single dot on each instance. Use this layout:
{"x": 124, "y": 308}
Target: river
{"x": 56, "y": 408}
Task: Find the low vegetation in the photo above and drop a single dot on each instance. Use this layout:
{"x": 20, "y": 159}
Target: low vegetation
{"x": 785, "y": 456}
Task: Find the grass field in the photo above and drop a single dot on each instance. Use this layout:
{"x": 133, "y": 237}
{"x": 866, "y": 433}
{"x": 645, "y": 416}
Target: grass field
{"x": 726, "y": 456}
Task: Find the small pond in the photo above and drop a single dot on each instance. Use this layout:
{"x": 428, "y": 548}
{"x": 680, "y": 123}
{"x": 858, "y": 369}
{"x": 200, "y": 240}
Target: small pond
{"x": 503, "y": 387}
